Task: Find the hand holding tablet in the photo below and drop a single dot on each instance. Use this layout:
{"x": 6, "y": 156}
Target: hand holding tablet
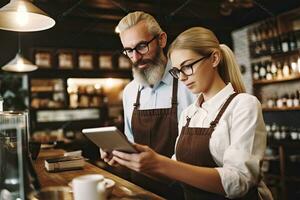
{"x": 109, "y": 139}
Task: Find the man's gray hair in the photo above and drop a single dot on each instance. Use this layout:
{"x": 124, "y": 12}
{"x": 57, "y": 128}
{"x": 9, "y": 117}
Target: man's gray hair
{"x": 134, "y": 18}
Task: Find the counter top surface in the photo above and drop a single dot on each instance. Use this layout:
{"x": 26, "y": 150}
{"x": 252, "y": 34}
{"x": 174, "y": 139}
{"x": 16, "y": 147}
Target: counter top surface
{"x": 123, "y": 190}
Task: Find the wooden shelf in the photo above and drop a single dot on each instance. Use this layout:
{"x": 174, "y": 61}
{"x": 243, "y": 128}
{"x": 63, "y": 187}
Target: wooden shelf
{"x": 75, "y": 124}
{"x": 48, "y": 91}
{"x": 267, "y": 109}
{"x": 65, "y": 108}
{"x": 275, "y": 55}
{"x": 278, "y": 177}
{"x": 286, "y": 143}
{"x": 77, "y": 73}
{"x": 290, "y": 78}
{"x": 284, "y": 54}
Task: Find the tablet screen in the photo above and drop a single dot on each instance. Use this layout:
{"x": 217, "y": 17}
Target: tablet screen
{"x": 109, "y": 139}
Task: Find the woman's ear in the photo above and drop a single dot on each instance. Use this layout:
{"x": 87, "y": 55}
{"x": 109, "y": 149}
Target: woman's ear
{"x": 162, "y": 40}
{"x": 216, "y": 56}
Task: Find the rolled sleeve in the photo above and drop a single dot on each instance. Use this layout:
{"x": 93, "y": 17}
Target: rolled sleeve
{"x": 241, "y": 168}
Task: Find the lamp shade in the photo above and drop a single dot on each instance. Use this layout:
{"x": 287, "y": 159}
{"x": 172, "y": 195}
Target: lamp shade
{"x": 19, "y": 64}
{"x": 23, "y": 16}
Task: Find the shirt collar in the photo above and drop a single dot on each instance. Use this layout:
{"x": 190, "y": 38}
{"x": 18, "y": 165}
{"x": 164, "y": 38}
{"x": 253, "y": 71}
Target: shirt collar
{"x": 218, "y": 100}
{"x": 167, "y": 77}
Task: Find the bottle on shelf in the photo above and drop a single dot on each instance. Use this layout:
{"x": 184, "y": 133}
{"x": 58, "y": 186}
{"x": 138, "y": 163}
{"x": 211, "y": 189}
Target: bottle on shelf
{"x": 276, "y": 38}
{"x": 295, "y": 99}
{"x": 262, "y": 71}
{"x": 282, "y": 132}
{"x": 252, "y": 35}
{"x": 274, "y": 70}
{"x": 293, "y": 41}
{"x": 268, "y": 129}
{"x": 279, "y": 102}
{"x": 255, "y": 73}
{"x": 286, "y": 69}
{"x": 257, "y": 49}
{"x": 294, "y": 134}
{"x": 279, "y": 71}
{"x": 269, "y": 75}
{"x": 298, "y": 95}
{"x": 289, "y": 101}
{"x": 294, "y": 66}
{"x": 285, "y": 42}
{"x": 271, "y": 102}
{"x": 298, "y": 64}
{"x": 277, "y": 134}
{"x": 270, "y": 38}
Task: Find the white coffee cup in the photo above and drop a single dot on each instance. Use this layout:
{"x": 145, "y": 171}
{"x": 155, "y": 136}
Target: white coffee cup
{"x": 89, "y": 187}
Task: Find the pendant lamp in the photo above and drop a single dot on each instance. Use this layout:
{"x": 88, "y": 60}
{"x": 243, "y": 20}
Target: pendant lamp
{"x": 19, "y": 63}
{"x": 23, "y": 16}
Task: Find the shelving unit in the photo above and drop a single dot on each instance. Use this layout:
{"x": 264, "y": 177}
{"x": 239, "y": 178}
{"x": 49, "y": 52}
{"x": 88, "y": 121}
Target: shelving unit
{"x": 278, "y": 80}
{"x": 72, "y": 90}
{"x": 275, "y": 61}
{"x": 285, "y": 108}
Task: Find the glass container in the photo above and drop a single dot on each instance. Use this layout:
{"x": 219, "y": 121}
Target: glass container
{"x": 13, "y": 155}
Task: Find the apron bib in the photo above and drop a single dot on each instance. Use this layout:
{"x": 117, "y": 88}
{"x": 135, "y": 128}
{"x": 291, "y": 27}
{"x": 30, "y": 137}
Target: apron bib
{"x": 193, "y": 148}
{"x": 158, "y": 129}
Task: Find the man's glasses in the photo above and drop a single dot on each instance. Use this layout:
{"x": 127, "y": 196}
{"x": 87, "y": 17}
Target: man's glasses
{"x": 187, "y": 70}
{"x": 141, "y": 48}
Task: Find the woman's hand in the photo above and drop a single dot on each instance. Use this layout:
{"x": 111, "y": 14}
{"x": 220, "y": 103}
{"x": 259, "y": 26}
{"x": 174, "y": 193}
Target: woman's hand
{"x": 145, "y": 161}
{"x": 107, "y": 157}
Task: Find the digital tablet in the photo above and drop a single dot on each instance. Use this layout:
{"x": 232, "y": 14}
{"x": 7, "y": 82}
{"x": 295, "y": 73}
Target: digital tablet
{"x": 109, "y": 138}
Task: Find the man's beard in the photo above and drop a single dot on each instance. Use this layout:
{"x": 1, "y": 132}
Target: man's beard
{"x": 154, "y": 71}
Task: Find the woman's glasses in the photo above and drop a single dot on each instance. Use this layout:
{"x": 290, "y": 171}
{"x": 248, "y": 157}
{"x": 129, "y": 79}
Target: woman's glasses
{"x": 187, "y": 70}
{"x": 141, "y": 48}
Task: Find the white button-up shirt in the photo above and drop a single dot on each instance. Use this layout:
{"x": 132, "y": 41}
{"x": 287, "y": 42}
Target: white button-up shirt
{"x": 159, "y": 96}
{"x": 239, "y": 140}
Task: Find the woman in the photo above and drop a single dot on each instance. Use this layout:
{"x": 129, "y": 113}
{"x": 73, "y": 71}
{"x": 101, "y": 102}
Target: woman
{"x": 222, "y": 135}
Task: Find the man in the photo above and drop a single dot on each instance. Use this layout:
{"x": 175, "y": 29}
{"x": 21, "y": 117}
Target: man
{"x": 153, "y": 100}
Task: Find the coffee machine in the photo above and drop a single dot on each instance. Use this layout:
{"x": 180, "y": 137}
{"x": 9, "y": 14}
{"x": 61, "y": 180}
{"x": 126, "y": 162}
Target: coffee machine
{"x": 16, "y": 170}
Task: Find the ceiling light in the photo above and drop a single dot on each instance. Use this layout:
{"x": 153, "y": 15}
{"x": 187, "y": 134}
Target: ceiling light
{"x": 19, "y": 64}
{"x": 23, "y": 16}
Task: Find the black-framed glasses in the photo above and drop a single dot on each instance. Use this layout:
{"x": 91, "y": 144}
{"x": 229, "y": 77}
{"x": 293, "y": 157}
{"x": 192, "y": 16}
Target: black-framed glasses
{"x": 141, "y": 48}
{"x": 187, "y": 70}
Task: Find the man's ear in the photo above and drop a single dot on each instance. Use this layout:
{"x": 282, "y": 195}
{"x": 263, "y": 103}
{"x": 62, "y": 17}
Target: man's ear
{"x": 216, "y": 56}
{"x": 162, "y": 40}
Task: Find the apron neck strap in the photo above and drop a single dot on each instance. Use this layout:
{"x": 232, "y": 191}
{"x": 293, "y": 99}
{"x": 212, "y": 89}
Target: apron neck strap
{"x": 137, "y": 101}
{"x": 214, "y": 123}
{"x": 174, "y": 92}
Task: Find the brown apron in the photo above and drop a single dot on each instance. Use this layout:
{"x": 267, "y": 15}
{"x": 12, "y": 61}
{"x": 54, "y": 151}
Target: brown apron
{"x": 193, "y": 148}
{"x": 158, "y": 129}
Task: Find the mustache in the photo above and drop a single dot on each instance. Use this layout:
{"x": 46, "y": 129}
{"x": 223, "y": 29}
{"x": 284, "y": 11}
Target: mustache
{"x": 142, "y": 62}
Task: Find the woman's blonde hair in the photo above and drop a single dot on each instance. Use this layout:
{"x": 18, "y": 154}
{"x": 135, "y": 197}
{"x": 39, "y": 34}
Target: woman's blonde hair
{"x": 135, "y": 17}
{"x": 203, "y": 41}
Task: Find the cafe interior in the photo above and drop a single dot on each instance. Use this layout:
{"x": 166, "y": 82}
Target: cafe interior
{"x": 62, "y": 72}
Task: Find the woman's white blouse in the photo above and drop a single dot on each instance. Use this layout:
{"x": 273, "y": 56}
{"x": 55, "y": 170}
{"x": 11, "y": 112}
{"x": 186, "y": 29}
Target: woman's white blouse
{"x": 238, "y": 143}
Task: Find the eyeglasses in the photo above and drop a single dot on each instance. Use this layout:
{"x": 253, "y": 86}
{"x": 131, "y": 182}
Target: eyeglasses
{"x": 141, "y": 48}
{"x": 187, "y": 70}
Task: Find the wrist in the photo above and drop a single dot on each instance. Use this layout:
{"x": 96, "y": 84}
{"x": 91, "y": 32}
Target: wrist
{"x": 160, "y": 164}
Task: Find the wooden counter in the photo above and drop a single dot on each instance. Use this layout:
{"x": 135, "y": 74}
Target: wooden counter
{"x": 123, "y": 189}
